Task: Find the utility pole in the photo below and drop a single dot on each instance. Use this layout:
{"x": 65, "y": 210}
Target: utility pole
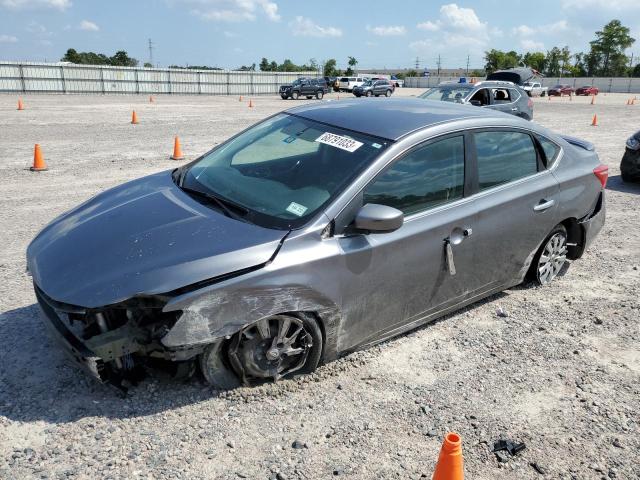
{"x": 417, "y": 63}
{"x": 468, "y": 58}
{"x": 439, "y": 63}
{"x": 151, "y": 52}
{"x": 631, "y": 66}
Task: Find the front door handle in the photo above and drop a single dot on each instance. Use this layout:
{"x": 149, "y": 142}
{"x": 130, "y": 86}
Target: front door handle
{"x": 514, "y": 109}
{"x": 544, "y": 205}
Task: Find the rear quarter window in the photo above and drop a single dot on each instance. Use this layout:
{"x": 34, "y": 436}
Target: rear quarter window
{"x": 551, "y": 151}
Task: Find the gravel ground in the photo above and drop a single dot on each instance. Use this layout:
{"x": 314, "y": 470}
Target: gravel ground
{"x": 559, "y": 372}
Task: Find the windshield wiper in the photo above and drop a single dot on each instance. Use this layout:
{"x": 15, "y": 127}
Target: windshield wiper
{"x": 230, "y": 209}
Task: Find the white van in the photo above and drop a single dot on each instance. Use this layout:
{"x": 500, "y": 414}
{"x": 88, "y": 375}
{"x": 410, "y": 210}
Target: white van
{"x": 347, "y": 83}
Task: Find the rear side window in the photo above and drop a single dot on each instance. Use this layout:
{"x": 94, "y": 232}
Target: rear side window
{"x": 503, "y": 157}
{"x": 551, "y": 151}
{"x": 424, "y": 178}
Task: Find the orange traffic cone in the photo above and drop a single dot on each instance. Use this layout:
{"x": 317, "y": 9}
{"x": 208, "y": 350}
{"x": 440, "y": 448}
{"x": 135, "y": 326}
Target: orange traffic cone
{"x": 449, "y": 466}
{"x": 177, "y": 150}
{"x": 593, "y": 99}
{"x": 38, "y": 160}
{"x": 151, "y": 100}
{"x": 134, "y": 118}
{"x": 240, "y": 99}
{"x": 20, "y": 105}
{"x": 250, "y": 103}
{"x": 594, "y": 122}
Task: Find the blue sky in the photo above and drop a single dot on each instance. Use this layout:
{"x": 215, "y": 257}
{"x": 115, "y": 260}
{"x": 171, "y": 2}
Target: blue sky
{"x": 230, "y": 33}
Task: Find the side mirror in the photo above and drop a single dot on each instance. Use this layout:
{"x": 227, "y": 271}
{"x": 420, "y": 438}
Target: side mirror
{"x": 476, "y": 103}
{"x": 376, "y": 218}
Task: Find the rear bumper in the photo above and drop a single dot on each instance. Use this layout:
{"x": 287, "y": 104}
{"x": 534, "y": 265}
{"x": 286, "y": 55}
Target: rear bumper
{"x": 72, "y": 346}
{"x": 594, "y": 222}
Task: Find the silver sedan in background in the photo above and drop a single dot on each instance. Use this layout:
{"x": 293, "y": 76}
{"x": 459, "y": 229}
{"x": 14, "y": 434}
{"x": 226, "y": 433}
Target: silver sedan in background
{"x": 316, "y": 232}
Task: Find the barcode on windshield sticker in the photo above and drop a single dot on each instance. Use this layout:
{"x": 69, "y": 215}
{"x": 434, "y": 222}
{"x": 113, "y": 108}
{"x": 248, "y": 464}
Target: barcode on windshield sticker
{"x": 296, "y": 209}
{"x": 343, "y": 143}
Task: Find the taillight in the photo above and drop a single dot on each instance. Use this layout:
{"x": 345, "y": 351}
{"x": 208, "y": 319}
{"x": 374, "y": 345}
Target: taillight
{"x": 602, "y": 172}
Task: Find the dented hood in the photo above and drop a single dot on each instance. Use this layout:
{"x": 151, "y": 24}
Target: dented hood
{"x": 143, "y": 237}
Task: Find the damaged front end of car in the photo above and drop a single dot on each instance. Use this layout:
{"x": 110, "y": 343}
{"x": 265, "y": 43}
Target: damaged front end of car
{"x": 114, "y": 343}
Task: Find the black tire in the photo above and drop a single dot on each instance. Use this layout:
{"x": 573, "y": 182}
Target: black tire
{"x": 368, "y": 94}
{"x": 377, "y": 94}
{"x": 534, "y": 270}
{"x": 295, "y": 95}
{"x": 284, "y": 97}
{"x": 319, "y": 94}
{"x": 214, "y": 367}
{"x": 626, "y": 177}
{"x": 388, "y": 93}
{"x": 543, "y": 94}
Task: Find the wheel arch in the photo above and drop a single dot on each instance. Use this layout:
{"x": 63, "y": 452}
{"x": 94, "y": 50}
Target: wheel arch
{"x": 575, "y": 237}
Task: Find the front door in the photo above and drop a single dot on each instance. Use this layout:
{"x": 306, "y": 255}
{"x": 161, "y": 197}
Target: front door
{"x": 394, "y": 280}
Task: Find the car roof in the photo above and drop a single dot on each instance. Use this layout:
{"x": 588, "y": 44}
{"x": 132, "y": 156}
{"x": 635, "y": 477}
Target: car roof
{"x": 389, "y": 118}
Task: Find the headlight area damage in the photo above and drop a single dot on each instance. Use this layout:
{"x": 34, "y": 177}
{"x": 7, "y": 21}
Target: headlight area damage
{"x": 114, "y": 343}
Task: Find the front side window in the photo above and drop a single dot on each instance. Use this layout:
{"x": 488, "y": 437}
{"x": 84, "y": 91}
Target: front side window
{"x": 424, "y": 178}
{"x": 447, "y": 93}
{"x": 285, "y": 169}
{"x": 503, "y": 157}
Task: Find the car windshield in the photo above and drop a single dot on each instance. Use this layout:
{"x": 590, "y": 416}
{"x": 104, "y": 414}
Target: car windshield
{"x": 586, "y": 86}
{"x": 283, "y": 170}
{"x": 449, "y": 93}
{"x": 367, "y": 83}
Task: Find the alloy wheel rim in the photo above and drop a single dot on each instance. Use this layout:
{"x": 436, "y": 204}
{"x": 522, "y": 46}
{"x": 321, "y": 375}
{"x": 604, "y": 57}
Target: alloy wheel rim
{"x": 271, "y": 348}
{"x": 553, "y": 258}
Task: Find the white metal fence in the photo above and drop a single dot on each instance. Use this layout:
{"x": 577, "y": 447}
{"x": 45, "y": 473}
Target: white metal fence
{"x": 608, "y": 85}
{"x": 52, "y": 78}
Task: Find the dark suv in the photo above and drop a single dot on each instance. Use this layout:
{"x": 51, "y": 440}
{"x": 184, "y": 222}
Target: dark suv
{"x": 308, "y": 87}
{"x": 375, "y": 87}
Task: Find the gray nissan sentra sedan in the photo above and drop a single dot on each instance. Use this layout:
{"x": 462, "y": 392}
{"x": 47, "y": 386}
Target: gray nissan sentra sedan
{"x": 320, "y": 230}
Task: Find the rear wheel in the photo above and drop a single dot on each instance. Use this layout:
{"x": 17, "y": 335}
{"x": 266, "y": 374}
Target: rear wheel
{"x": 368, "y": 94}
{"x": 551, "y": 256}
{"x": 276, "y": 347}
{"x": 387, "y": 93}
{"x": 319, "y": 94}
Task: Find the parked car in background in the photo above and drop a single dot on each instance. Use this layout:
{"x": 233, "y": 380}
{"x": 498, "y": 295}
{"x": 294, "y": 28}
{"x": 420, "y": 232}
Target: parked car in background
{"x": 519, "y": 75}
{"x": 332, "y": 83}
{"x": 587, "y": 90}
{"x": 534, "y": 89}
{"x": 397, "y": 82}
{"x": 317, "y": 232}
{"x": 560, "y": 90}
{"x": 348, "y": 83}
{"x": 375, "y": 88}
{"x": 494, "y": 95}
{"x": 630, "y": 164}
{"x": 304, "y": 87}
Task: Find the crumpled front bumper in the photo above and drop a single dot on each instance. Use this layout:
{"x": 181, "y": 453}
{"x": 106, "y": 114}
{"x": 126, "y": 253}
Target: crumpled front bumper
{"x": 630, "y": 164}
{"x": 76, "y": 349}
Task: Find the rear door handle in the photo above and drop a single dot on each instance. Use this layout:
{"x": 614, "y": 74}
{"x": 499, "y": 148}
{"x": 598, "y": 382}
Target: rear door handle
{"x": 544, "y": 205}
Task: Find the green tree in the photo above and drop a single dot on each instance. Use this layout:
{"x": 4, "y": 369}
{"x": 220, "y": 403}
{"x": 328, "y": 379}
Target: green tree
{"x": 352, "y": 63}
{"x": 553, "y": 62}
{"x": 265, "y": 66}
{"x": 608, "y": 49}
{"x": 147, "y": 65}
{"x": 71, "y": 56}
{"x": 635, "y": 72}
{"x": 121, "y": 59}
{"x": 330, "y": 68}
{"x": 499, "y": 60}
{"x": 535, "y": 60}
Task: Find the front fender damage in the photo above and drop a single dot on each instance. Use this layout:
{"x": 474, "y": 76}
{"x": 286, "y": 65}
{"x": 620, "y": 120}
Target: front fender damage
{"x": 220, "y": 314}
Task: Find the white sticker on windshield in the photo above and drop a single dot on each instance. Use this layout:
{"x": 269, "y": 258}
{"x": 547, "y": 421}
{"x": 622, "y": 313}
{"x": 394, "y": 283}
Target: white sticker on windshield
{"x": 296, "y": 209}
{"x": 343, "y": 143}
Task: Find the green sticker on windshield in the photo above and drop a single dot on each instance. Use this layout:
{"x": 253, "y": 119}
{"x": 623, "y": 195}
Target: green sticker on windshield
{"x": 296, "y": 209}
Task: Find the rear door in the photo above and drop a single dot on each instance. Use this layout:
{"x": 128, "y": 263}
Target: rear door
{"x": 516, "y": 200}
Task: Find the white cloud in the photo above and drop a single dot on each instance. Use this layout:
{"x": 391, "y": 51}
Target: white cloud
{"x": 524, "y": 31}
{"x": 532, "y": 45}
{"x": 8, "y": 39}
{"x": 232, "y": 10}
{"x": 28, "y": 4}
{"x": 88, "y": 26}
{"x": 461, "y": 18}
{"x": 305, "y": 27}
{"x": 560, "y": 26}
{"x": 429, "y": 26}
{"x": 228, "y": 34}
{"x": 387, "y": 31}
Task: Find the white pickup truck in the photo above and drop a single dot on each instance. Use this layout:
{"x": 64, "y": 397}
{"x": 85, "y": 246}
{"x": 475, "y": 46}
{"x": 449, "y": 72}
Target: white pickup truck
{"x": 535, "y": 89}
